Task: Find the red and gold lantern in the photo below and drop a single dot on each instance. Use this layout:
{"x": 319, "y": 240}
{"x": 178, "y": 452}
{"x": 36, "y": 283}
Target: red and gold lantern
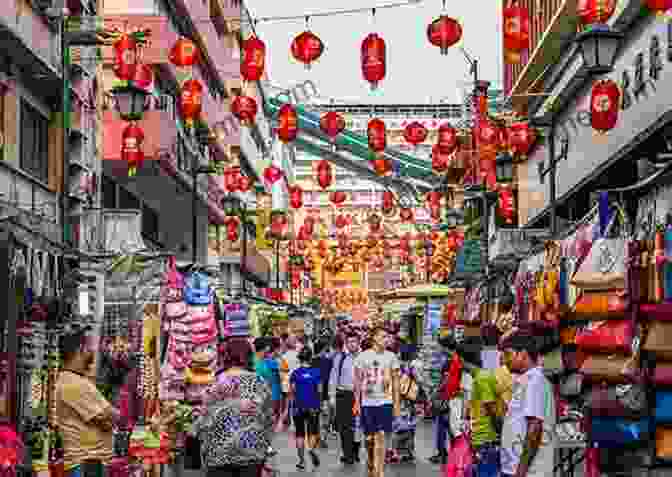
{"x": 605, "y": 100}
{"x": 406, "y": 215}
{"x": 307, "y": 48}
{"x": 231, "y": 179}
{"x": 387, "y": 202}
{"x": 521, "y": 138}
{"x": 245, "y": 109}
{"x": 415, "y": 133}
{"x": 440, "y": 161}
{"x": 232, "y": 229}
{"x": 325, "y": 175}
{"x": 447, "y": 139}
{"x": 595, "y": 11}
{"x": 332, "y": 124}
{"x": 143, "y": 76}
{"x": 253, "y": 59}
{"x": 183, "y": 53}
{"x": 444, "y": 32}
{"x": 132, "y": 153}
{"x": 340, "y": 221}
{"x": 373, "y": 59}
{"x": 505, "y": 204}
{"x": 125, "y": 57}
{"x": 273, "y": 174}
{"x": 338, "y": 198}
{"x": 382, "y": 167}
{"x": 295, "y": 197}
{"x": 289, "y": 123}
{"x": 191, "y": 100}
{"x": 433, "y": 198}
{"x": 377, "y": 134}
{"x": 516, "y": 32}
{"x": 244, "y": 183}
{"x": 659, "y": 7}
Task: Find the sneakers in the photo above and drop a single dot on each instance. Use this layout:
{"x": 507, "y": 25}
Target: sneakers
{"x": 314, "y": 458}
{"x": 270, "y": 452}
{"x": 301, "y": 465}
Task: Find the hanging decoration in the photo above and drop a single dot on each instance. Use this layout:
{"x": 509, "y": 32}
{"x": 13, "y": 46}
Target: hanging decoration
{"x": 381, "y": 166}
{"x": 605, "y": 100}
{"x": 659, "y": 7}
{"x": 132, "y": 153}
{"x": 307, "y": 47}
{"x": 433, "y": 198}
{"x": 273, "y": 174}
{"x": 332, "y": 124}
{"x": 244, "y": 108}
{"x": 387, "y": 204}
{"x": 288, "y": 127}
{"x": 340, "y": 221}
{"x": 143, "y": 76}
{"x": 377, "y": 135}
{"x": 325, "y": 175}
{"x": 516, "y": 32}
{"x": 373, "y": 59}
{"x": 415, "y": 133}
{"x": 591, "y": 12}
{"x": 521, "y": 138}
{"x": 184, "y": 53}
{"x": 338, "y": 198}
{"x": 447, "y": 139}
{"x": 244, "y": 183}
{"x": 406, "y": 215}
{"x": 191, "y": 101}
{"x": 505, "y": 204}
{"x": 487, "y": 135}
{"x": 231, "y": 176}
{"x": 125, "y": 57}
{"x": 295, "y": 197}
{"x": 440, "y": 161}
{"x": 444, "y": 32}
{"x": 232, "y": 233}
{"x": 253, "y": 60}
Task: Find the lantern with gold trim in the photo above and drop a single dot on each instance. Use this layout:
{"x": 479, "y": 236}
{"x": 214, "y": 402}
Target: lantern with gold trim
{"x": 191, "y": 100}
{"x": 415, "y": 133}
{"x": 125, "y": 57}
{"x": 516, "y": 32}
{"x": 444, "y": 32}
{"x": 373, "y": 59}
{"x": 307, "y": 48}
{"x": 325, "y": 175}
{"x": 253, "y": 61}
{"x": 288, "y": 126}
{"x": 605, "y": 100}
{"x": 184, "y": 53}
{"x": 244, "y": 108}
{"x": 295, "y": 197}
{"x": 377, "y": 135}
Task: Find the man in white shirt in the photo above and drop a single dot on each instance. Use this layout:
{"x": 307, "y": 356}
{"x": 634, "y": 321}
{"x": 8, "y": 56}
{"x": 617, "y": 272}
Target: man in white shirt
{"x": 377, "y": 398}
{"x": 528, "y": 434}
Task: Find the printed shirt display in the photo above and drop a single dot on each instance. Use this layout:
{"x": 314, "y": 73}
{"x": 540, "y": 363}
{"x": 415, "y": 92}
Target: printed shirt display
{"x": 484, "y": 391}
{"x": 376, "y": 371}
{"x": 532, "y": 397}
{"x": 236, "y": 427}
{"x": 306, "y": 385}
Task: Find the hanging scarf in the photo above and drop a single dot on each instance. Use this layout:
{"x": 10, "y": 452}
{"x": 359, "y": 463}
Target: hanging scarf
{"x": 451, "y": 386}
{"x": 11, "y": 450}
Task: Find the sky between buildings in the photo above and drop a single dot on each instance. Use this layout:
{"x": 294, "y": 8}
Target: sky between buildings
{"x": 416, "y": 71}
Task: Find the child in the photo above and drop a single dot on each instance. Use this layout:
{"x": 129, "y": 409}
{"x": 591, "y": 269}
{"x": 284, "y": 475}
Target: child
{"x": 305, "y": 394}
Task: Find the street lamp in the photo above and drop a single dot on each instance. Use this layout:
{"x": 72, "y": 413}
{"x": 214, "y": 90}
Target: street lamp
{"x": 504, "y": 167}
{"x": 599, "y": 45}
{"x": 129, "y": 101}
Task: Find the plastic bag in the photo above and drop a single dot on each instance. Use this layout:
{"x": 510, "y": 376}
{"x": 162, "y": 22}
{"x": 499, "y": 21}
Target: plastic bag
{"x": 460, "y": 459}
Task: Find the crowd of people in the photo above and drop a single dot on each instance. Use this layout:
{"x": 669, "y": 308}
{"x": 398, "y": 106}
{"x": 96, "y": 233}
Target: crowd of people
{"x": 497, "y": 421}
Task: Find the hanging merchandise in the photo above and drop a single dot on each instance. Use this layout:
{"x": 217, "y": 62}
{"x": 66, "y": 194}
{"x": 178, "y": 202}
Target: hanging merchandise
{"x": 377, "y": 135}
{"x": 382, "y": 167}
{"x": 191, "y": 100}
{"x": 373, "y": 59}
{"x": 125, "y": 57}
{"x": 332, "y": 124}
{"x": 440, "y": 161}
{"x": 244, "y": 183}
{"x": 388, "y": 201}
{"x": 447, "y": 139}
{"x": 516, "y": 32}
{"x": 338, "y": 198}
{"x": 444, "y": 32}
{"x": 273, "y": 174}
{"x": 659, "y": 7}
{"x": 605, "y": 101}
{"x": 295, "y": 197}
{"x": 521, "y": 138}
{"x": 184, "y": 53}
{"x": 132, "y": 152}
{"x": 253, "y": 61}
{"x": 307, "y": 47}
{"x": 591, "y": 12}
{"x": 288, "y": 127}
{"x": 325, "y": 174}
{"x": 415, "y": 133}
{"x": 406, "y": 215}
{"x": 245, "y": 109}
{"x": 506, "y": 207}
{"x": 197, "y": 289}
{"x": 144, "y": 76}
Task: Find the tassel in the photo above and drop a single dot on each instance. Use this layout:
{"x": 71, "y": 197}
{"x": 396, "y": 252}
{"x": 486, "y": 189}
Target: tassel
{"x": 604, "y": 212}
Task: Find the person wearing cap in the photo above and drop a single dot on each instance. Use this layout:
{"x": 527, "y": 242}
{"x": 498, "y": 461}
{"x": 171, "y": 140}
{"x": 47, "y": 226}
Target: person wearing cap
{"x": 528, "y": 433}
{"x": 304, "y": 388}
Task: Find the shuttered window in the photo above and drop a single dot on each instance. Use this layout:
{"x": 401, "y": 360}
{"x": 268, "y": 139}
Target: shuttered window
{"x": 34, "y": 142}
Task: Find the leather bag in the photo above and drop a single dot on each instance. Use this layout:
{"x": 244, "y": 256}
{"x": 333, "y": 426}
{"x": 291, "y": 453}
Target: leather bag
{"x": 664, "y": 442}
{"x": 658, "y": 340}
{"x": 617, "y": 401}
{"x": 612, "y": 336}
{"x": 612, "y": 369}
{"x": 662, "y": 374}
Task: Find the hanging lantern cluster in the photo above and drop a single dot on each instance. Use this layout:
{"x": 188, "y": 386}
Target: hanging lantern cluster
{"x": 338, "y": 198}
{"x": 605, "y": 100}
{"x": 253, "y": 59}
{"x": 332, "y": 124}
{"x": 273, "y": 174}
{"x": 373, "y": 59}
{"x": 516, "y": 32}
{"x": 235, "y": 181}
{"x": 444, "y": 32}
{"x": 592, "y": 12}
{"x": 132, "y": 138}
{"x": 325, "y": 175}
{"x": 245, "y": 109}
{"x": 659, "y": 7}
{"x": 288, "y": 127}
{"x": 307, "y": 48}
{"x": 506, "y": 206}
{"x": 296, "y": 197}
{"x": 377, "y": 135}
{"x": 184, "y": 54}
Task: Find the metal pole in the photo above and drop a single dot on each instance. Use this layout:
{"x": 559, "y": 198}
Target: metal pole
{"x": 485, "y": 224}
{"x": 474, "y": 66}
{"x": 65, "y": 118}
{"x": 194, "y": 218}
{"x": 553, "y": 165}
{"x": 243, "y": 261}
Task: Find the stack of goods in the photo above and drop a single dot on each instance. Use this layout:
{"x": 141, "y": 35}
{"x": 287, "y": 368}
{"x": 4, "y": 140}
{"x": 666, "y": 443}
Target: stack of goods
{"x": 469, "y": 325}
{"x": 237, "y": 320}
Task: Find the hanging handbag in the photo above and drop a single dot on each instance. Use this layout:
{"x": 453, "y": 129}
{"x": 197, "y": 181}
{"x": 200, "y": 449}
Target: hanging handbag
{"x": 663, "y": 409}
{"x": 662, "y": 374}
{"x": 612, "y": 369}
{"x": 173, "y": 283}
{"x": 658, "y": 340}
{"x": 664, "y": 443}
{"x": 617, "y": 401}
{"x": 197, "y": 289}
{"x": 612, "y": 336}
{"x": 615, "y": 432}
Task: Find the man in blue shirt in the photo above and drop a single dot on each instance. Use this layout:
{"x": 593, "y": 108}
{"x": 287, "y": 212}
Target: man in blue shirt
{"x": 267, "y": 368}
{"x": 305, "y": 390}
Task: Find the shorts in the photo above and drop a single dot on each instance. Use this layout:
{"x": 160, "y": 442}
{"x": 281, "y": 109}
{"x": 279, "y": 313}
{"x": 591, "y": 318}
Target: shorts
{"x": 307, "y": 421}
{"x": 377, "y": 418}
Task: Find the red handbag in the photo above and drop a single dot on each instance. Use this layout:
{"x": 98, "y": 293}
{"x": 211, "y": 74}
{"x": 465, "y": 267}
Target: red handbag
{"x": 662, "y": 374}
{"x": 612, "y": 336}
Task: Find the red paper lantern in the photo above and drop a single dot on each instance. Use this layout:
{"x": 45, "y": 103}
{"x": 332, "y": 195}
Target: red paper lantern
{"x": 125, "y": 57}
{"x": 382, "y": 167}
{"x": 231, "y": 179}
{"x": 377, "y": 134}
{"x": 373, "y": 59}
{"x": 521, "y": 138}
{"x": 253, "y": 59}
{"x": 245, "y": 109}
{"x": 132, "y": 138}
{"x": 289, "y": 123}
{"x": 309, "y": 225}
{"x": 415, "y": 133}
{"x": 444, "y": 32}
{"x": 595, "y": 11}
{"x": 295, "y": 197}
{"x": 487, "y": 135}
{"x": 433, "y": 198}
{"x": 605, "y": 99}
{"x": 435, "y": 212}
{"x": 307, "y": 48}
{"x": 505, "y": 204}
{"x": 440, "y": 161}
{"x": 406, "y": 215}
{"x": 183, "y": 53}
{"x": 340, "y": 221}
{"x": 516, "y": 32}
{"x": 659, "y": 7}
{"x": 447, "y": 139}
{"x": 232, "y": 230}
{"x": 143, "y": 76}
{"x": 191, "y": 100}
{"x": 332, "y": 124}
{"x": 387, "y": 201}
{"x": 338, "y": 198}
{"x": 244, "y": 183}
{"x": 273, "y": 174}
{"x": 325, "y": 174}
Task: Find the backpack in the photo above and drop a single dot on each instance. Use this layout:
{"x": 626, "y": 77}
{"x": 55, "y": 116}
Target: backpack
{"x": 197, "y": 289}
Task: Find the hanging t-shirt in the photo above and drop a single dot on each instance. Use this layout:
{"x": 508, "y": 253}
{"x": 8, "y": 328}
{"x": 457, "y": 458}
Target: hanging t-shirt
{"x": 376, "y": 370}
{"x": 306, "y": 384}
{"x": 484, "y": 391}
{"x": 532, "y": 397}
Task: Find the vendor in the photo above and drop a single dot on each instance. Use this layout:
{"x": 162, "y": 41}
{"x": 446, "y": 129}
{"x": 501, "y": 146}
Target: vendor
{"x": 83, "y": 415}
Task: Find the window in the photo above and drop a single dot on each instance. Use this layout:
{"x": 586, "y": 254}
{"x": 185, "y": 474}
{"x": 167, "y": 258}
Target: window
{"x": 128, "y": 200}
{"x": 150, "y": 224}
{"x": 109, "y": 193}
{"x": 34, "y": 142}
